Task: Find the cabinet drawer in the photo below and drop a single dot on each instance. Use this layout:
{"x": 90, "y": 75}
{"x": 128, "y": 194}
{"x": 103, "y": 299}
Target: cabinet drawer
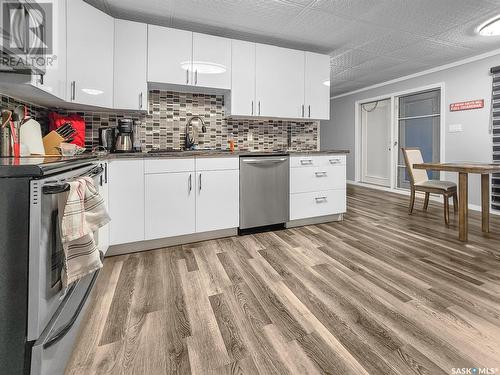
{"x": 168, "y": 165}
{"x": 217, "y": 163}
{"x": 317, "y": 160}
{"x": 303, "y": 180}
{"x": 321, "y": 203}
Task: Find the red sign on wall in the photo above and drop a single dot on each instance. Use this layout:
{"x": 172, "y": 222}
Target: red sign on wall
{"x": 465, "y": 106}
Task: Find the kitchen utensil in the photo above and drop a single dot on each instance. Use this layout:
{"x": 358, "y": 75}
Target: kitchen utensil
{"x": 50, "y": 143}
{"x": 31, "y": 136}
{"x": 14, "y": 133}
{"x": 6, "y": 116}
{"x": 20, "y": 114}
{"x": 5, "y": 141}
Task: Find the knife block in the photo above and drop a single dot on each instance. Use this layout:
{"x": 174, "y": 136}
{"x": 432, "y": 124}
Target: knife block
{"x": 50, "y": 143}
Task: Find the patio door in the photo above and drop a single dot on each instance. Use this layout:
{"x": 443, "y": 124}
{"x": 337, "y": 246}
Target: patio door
{"x": 419, "y": 125}
{"x": 376, "y": 142}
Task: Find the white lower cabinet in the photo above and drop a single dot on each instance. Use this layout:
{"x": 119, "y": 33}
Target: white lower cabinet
{"x": 217, "y": 200}
{"x": 317, "y": 186}
{"x": 126, "y": 201}
{"x": 169, "y": 204}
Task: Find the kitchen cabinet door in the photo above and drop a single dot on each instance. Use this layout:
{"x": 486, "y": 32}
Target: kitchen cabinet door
{"x": 217, "y": 200}
{"x": 317, "y": 94}
{"x": 279, "y": 82}
{"x": 211, "y": 61}
{"x": 126, "y": 201}
{"x": 243, "y": 78}
{"x": 170, "y": 204}
{"x": 54, "y": 79}
{"x": 90, "y": 34}
{"x": 103, "y": 234}
{"x": 170, "y": 53}
{"x": 130, "y": 64}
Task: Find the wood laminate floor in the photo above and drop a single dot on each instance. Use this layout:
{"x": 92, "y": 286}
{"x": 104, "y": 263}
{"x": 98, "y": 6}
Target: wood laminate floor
{"x": 379, "y": 293}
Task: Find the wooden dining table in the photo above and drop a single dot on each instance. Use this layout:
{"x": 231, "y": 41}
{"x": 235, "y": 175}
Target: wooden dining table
{"x": 463, "y": 170}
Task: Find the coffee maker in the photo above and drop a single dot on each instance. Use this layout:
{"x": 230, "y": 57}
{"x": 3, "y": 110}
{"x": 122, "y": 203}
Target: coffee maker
{"x": 123, "y": 142}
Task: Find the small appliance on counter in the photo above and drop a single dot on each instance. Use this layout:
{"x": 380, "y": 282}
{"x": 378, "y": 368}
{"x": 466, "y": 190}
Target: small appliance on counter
{"x": 107, "y": 138}
{"x": 123, "y": 142}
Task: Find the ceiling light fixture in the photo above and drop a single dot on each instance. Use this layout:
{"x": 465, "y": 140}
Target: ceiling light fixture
{"x": 490, "y": 27}
{"x": 203, "y": 67}
{"x": 327, "y": 83}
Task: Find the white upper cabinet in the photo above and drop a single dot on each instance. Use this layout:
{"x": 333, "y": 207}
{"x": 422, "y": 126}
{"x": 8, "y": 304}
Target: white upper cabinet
{"x": 90, "y": 35}
{"x": 54, "y": 79}
{"x": 279, "y": 82}
{"x": 317, "y": 93}
{"x": 130, "y": 65}
{"x": 170, "y": 55}
{"x": 211, "y": 61}
{"x": 243, "y": 79}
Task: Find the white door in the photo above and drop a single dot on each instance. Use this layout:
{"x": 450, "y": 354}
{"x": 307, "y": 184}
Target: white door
{"x": 170, "y": 204}
{"x": 103, "y": 234}
{"x": 243, "y": 78}
{"x": 317, "y": 93}
{"x": 211, "y": 61}
{"x": 376, "y": 142}
{"x": 54, "y": 79}
{"x": 130, "y": 64}
{"x": 89, "y": 55}
{"x": 170, "y": 53}
{"x": 279, "y": 82}
{"x": 126, "y": 201}
{"x": 217, "y": 200}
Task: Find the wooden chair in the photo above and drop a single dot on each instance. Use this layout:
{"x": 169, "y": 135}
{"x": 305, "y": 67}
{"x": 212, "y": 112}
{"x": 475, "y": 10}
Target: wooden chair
{"x": 419, "y": 181}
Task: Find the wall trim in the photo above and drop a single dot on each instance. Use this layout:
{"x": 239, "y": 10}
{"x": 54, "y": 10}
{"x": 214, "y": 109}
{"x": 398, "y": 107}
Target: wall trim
{"x": 422, "y": 73}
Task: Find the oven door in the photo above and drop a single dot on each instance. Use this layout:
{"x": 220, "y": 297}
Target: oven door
{"x": 51, "y": 352}
{"x": 45, "y": 294}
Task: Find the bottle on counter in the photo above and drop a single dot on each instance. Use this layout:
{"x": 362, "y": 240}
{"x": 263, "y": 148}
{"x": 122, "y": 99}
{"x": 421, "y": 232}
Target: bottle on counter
{"x": 230, "y": 141}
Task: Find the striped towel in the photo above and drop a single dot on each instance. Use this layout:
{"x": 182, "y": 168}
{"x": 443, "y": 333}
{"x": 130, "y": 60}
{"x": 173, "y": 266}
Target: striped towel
{"x": 83, "y": 212}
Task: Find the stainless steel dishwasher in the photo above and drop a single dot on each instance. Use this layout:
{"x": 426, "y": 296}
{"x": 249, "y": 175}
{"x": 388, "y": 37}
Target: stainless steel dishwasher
{"x": 264, "y": 190}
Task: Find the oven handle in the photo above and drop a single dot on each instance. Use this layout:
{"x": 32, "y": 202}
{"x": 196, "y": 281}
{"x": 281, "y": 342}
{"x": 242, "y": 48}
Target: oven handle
{"x": 64, "y": 186}
{"x": 67, "y": 327}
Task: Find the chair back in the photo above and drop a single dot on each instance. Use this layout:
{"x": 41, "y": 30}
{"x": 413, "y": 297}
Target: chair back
{"x": 414, "y": 156}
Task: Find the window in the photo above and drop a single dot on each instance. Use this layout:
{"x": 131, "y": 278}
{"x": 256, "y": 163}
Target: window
{"x": 419, "y": 125}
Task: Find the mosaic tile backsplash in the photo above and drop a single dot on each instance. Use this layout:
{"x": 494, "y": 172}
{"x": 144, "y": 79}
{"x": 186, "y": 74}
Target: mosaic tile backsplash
{"x": 163, "y": 125}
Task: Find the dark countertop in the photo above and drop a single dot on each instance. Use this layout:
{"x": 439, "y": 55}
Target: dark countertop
{"x": 36, "y": 166}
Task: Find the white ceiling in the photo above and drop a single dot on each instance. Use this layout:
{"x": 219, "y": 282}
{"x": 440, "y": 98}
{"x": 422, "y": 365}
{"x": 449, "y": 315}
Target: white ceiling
{"x": 369, "y": 41}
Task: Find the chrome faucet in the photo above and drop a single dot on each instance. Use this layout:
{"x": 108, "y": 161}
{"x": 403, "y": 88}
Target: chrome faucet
{"x": 190, "y": 139}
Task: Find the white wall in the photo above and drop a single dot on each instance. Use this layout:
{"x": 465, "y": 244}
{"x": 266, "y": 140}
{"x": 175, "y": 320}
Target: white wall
{"x": 461, "y": 83}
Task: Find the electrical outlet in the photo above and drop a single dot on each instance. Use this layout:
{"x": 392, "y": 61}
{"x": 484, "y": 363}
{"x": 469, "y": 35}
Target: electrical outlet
{"x": 456, "y": 128}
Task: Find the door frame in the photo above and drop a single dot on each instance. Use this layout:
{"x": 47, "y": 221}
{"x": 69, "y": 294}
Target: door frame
{"x": 364, "y": 176}
{"x": 358, "y": 147}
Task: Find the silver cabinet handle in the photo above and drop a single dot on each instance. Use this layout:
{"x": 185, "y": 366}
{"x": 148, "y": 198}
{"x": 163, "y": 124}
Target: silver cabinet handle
{"x": 320, "y": 174}
{"x": 335, "y": 161}
{"x": 309, "y": 111}
{"x": 320, "y": 199}
{"x": 73, "y": 90}
{"x": 263, "y": 161}
{"x": 140, "y": 100}
{"x": 306, "y": 162}
{"x": 199, "y": 184}
{"x": 196, "y": 77}
{"x": 302, "y": 110}
{"x": 190, "y": 185}
{"x": 252, "y": 107}
{"x": 187, "y": 76}
{"x": 259, "y": 107}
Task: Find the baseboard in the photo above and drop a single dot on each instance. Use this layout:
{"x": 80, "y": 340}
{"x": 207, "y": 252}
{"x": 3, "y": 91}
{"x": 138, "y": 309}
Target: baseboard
{"x": 434, "y": 198}
{"x": 314, "y": 220}
{"x": 135, "y": 247}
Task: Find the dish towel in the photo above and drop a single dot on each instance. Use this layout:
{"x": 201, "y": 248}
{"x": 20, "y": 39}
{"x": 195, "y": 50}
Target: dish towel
{"x": 83, "y": 212}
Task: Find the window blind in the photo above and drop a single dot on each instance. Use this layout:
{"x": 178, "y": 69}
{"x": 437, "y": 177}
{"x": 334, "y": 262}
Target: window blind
{"x": 495, "y": 130}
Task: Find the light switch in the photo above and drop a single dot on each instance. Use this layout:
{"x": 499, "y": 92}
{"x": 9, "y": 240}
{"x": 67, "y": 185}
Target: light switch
{"x": 455, "y": 128}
